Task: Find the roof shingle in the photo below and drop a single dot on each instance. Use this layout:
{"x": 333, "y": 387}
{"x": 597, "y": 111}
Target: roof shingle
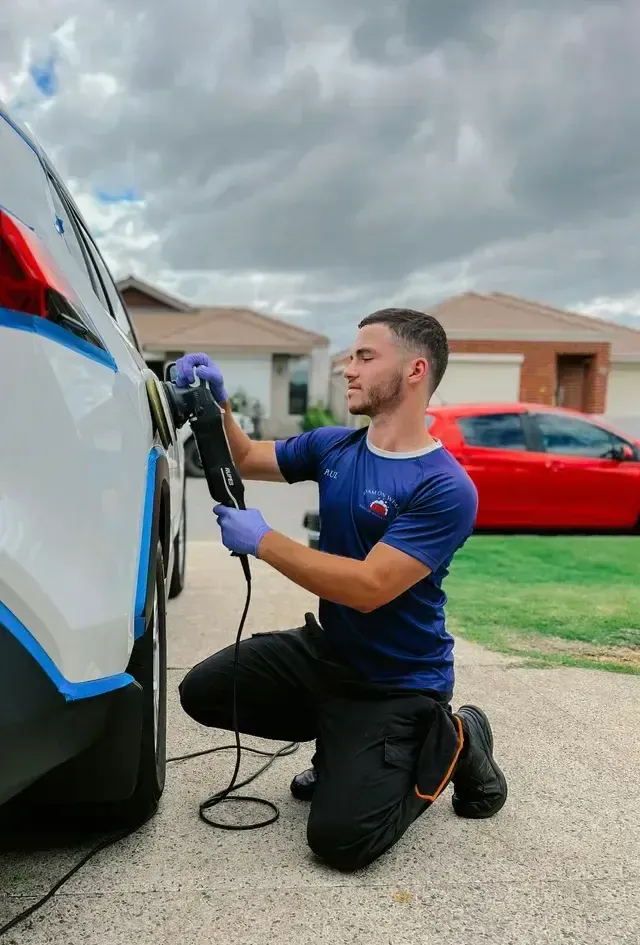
{"x": 624, "y": 340}
{"x": 497, "y": 316}
{"x": 222, "y": 328}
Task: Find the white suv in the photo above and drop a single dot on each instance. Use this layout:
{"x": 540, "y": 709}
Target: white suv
{"x": 92, "y": 513}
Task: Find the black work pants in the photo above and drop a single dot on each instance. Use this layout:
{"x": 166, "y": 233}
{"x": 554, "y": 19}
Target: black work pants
{"x": 291, "y": 687}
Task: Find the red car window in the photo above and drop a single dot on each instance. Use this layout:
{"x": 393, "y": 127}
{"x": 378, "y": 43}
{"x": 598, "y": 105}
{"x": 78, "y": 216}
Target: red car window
{"x": 500, "y": 431}
{"x": 569, "y": 436}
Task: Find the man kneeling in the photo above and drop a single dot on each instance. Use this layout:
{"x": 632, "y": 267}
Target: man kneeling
{"x": 371, "y": 681}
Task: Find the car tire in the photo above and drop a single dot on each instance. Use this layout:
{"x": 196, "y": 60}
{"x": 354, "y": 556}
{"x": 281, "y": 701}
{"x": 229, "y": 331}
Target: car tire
{"x": 192, "y": 461}
{"x": 180, "y": 553}
{"x": 148, "y": 666}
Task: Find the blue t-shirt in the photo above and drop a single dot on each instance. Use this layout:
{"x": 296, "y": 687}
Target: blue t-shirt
{"x": 422, "y": 503}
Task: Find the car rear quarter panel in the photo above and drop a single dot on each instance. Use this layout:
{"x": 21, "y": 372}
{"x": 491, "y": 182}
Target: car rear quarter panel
{"x": 76, "y": 437}
{"x": 73, "y": 485}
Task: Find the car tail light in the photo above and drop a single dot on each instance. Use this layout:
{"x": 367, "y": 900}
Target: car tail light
{"x": 32, "y": 283}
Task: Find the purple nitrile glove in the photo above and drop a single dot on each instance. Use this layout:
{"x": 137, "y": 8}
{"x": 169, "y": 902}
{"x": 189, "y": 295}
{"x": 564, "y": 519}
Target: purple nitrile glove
{"x": 242, "y": 529}
{"x": 206, "y": 370}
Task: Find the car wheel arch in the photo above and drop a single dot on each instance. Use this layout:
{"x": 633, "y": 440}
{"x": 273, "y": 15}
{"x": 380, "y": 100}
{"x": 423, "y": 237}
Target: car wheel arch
{"x": 159, "y": 531}
{"x": 164, "y": 521}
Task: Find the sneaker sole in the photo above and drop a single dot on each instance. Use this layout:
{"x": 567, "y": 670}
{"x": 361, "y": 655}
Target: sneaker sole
{"x": 485, "y": 734}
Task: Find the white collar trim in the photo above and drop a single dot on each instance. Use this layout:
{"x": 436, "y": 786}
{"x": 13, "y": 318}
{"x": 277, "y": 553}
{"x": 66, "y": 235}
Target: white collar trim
{"x": 410, "y": 454}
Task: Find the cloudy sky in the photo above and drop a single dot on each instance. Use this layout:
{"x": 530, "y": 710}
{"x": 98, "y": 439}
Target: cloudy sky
{"x": 319, "y": 158}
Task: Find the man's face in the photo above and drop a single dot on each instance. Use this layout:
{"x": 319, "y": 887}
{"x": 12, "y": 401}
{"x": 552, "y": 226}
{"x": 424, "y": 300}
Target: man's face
{"x": 379, "y": 372}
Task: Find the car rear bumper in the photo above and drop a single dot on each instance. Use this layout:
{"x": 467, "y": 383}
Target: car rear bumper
{"x": 58, "y": 749}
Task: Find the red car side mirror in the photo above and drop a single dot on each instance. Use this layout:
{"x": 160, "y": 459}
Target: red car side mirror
{"x": 622, "y": 452}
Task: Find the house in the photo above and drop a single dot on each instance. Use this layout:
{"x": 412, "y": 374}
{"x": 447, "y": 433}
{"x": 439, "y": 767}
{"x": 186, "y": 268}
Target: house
{"x": 283, "y": 367}
{"x": 504, "y": 348}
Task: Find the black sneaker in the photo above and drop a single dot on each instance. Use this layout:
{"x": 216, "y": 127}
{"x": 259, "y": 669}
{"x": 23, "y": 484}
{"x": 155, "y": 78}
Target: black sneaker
{"x": 479, "y": 786}
{"x": 304, "y": 784}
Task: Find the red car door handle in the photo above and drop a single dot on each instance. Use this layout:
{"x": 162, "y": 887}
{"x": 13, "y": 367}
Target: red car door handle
{"x": 553, "y": 464}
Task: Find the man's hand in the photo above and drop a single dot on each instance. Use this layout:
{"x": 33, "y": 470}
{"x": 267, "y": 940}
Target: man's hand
{"x": 242, "y": 529}
{"x": 206, "y": 370}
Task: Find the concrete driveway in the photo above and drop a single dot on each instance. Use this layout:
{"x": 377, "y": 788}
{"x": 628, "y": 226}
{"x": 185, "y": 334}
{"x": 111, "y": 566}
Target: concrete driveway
{"x": 560, "y": 863}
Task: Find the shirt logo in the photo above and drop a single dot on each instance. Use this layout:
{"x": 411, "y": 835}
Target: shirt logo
{"x": 379, "y": 503}
{"x": 380, "y": 507}
{"x": 331, "y": 473}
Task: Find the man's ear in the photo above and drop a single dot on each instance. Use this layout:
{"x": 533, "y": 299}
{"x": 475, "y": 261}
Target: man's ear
{"x": 419, "y": 370}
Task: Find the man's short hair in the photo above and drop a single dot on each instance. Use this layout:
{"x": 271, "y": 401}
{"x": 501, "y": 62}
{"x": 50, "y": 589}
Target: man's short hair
{"x": 419, "y": 332}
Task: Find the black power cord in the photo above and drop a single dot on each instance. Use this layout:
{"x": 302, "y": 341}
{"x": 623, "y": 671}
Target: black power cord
{"x": 218, "y": 798}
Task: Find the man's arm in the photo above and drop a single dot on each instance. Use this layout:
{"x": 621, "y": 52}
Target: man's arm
{"x": 254, "y": 459}
{"x": 293, "y": 459}
{"x": 363, "y": 585}
{"x": 417, "y": 542}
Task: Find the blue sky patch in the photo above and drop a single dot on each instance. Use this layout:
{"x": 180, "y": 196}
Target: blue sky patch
{"x": 124, "y": 195}
{"x": 45, "y": 77}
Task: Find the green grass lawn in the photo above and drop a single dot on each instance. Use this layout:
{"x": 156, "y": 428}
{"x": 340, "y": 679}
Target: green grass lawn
{"x": 566, "y": 600}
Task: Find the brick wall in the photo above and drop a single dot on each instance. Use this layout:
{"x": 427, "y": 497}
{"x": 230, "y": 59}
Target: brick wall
{"x": 538, "y": 373}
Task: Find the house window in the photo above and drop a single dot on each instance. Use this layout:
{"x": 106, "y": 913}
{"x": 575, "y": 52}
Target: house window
{"x": 298, "y": 385}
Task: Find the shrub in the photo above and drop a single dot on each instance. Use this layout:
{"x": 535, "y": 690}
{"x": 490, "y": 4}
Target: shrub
{"x": 317, "y": 416}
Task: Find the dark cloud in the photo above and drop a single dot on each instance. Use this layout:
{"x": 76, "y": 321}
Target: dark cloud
{"x": 355, "y": 152}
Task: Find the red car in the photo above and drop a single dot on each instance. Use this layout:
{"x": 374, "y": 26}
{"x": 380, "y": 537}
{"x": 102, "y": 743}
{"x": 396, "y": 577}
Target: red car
{"x": 543, "y": 468}
{"x": 539, "y": 469}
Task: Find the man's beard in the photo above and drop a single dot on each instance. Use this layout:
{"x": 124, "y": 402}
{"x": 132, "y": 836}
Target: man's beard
{"x": 381, "y": 399}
